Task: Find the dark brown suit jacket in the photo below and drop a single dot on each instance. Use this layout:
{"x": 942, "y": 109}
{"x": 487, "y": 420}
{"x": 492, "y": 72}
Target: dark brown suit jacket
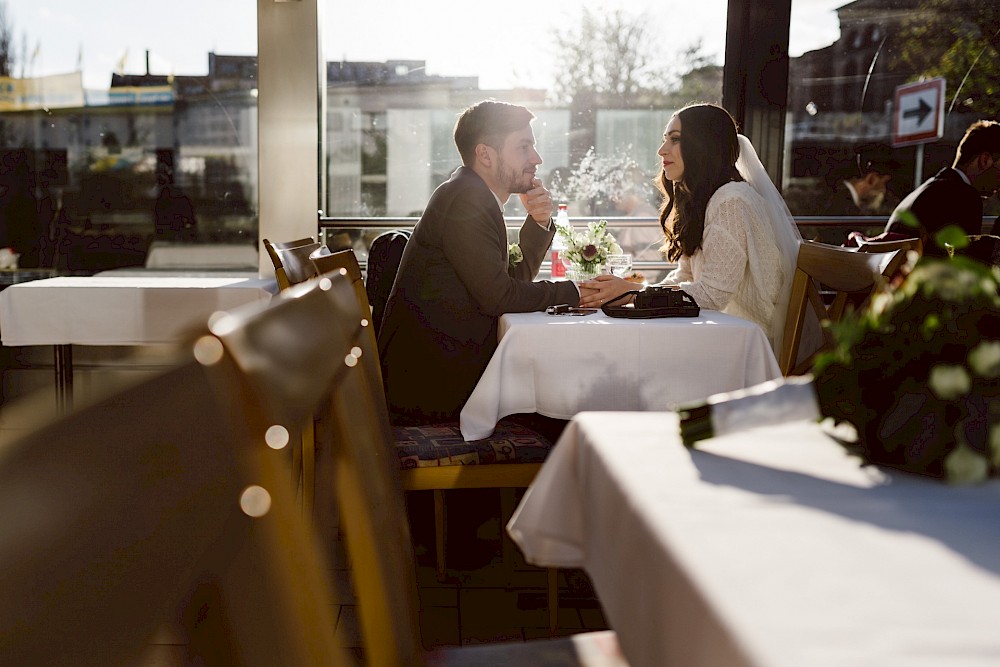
{"x": 440, "y": 325}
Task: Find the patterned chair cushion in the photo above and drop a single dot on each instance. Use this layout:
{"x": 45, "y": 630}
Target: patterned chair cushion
{"x": 443, "y": 445}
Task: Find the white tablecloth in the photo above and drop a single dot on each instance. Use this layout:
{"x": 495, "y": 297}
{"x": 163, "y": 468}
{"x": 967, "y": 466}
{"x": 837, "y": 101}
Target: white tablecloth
{"x": 559, "y": 365}
{"x": 125, "y": 310}
{"x": 767, "y": 548}
{"x": 170, "y": 255}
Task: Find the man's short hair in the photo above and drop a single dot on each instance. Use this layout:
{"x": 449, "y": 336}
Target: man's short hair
{"x": 875, "y": 157}
{"x": 488, "y": 122}
{"x": 983, "y": 136}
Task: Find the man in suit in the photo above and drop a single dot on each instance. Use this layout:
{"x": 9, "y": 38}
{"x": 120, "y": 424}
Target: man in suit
{"x": 454, "y": 280}
{"x": 954, "y": 195}
{"x": 860, "y": 191}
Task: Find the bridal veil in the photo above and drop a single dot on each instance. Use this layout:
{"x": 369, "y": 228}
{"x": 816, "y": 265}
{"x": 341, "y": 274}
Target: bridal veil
{"x": 786, "y": 234}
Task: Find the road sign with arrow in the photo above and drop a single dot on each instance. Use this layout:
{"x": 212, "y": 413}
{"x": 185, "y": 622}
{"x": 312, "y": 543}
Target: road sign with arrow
{"x": 918, "y": 115}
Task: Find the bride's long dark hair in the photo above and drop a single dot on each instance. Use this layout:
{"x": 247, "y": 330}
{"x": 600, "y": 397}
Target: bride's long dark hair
{"x": 709, "y": 148}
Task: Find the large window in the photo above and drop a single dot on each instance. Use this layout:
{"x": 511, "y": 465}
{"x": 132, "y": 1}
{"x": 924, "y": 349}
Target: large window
{"x": 120, "y": 127}
{"x": 842, "y": 102}
{"x": 599, "y": 80}
{"x": 124, "y": 128}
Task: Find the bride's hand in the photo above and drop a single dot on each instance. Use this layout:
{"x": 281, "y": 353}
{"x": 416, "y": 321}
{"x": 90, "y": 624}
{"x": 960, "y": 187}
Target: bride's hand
{"x": 597, "y": 292}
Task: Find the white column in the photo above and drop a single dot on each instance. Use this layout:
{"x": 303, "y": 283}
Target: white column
{"x": 291, "y": 106}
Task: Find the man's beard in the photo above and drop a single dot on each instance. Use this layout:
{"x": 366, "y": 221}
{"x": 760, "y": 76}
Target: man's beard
{"x": 513, "y": 182}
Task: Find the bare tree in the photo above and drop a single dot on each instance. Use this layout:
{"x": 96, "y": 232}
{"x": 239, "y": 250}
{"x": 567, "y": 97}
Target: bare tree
{"x": 6, "y": 42}
{"x": 699, "y": 78}
{"x": 607, "y": 57}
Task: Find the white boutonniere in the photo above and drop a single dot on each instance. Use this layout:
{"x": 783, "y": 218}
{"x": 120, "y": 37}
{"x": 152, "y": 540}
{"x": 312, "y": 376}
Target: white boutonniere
{"x": 514, "y": 255}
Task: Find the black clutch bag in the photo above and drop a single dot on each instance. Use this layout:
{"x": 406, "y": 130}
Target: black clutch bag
{"x": 654, "y": 301}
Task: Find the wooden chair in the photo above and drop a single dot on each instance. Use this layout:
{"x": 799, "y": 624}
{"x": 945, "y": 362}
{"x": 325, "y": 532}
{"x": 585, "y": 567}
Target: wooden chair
{"x": 844, "y": 271}
{"x": 291, "y": 260}
{"x": 888, "y": 246}
{"x": 293, "y": 264}
{"x": 335, "y": 361}
{"x": 125, "y": 515}
{"x": 984, "y": 248}
{"x": 348, "y": 261}
{"x": 447, "y": 474}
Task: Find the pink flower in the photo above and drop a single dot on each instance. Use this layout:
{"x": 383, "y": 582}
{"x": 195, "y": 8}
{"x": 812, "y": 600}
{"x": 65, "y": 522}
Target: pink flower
{"x": 590, "y": 252}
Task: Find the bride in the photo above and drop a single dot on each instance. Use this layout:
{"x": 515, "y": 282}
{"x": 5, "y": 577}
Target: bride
{"x": 725, "y": 224}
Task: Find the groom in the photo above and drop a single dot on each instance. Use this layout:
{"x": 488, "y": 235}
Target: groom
{"x": 454, "y": 280}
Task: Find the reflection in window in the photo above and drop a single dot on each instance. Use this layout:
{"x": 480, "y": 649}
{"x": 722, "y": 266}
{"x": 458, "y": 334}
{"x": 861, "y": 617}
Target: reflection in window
{"x": 841, "y": 97}
{"x": 112, "y": 166}
{"x": 598, "y": 81}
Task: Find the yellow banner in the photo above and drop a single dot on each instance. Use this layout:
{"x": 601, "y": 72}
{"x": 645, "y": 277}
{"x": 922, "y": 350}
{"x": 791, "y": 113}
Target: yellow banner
{"x": 57, "y": 91}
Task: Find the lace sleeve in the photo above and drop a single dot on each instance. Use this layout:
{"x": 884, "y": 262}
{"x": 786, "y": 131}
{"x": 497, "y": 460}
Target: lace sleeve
{"x": 724, "y": 255}
{"x": 683, "y": 272}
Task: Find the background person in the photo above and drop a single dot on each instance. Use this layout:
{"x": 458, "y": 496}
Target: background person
{"x": 954, "y": 195}
{"x": 454, "y": 280}
{"x": 19, "y": 225}
{"x": 643, "y": 243}
{"x": 861, "y": 191}
{"x": 724, "y": 221}
{"x": 173, "y": 212}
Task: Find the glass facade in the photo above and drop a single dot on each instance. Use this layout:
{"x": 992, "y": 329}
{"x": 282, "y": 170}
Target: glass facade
{"x": 150, "y": 156}
{"x": 843, "y": 114}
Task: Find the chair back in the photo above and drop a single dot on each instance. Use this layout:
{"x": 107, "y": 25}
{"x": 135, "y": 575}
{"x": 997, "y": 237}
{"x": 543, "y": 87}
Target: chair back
{"x": 341, "y": 358}
{"x": 983, "y": 248}
{"x": 291, "y": 261}
{"x": 384, "y": 256}
{"x": 888, "y": 246}
{"x": 348, "y": 261}
{"x": 847, "y": 273}
{"x": 118, "y": 516}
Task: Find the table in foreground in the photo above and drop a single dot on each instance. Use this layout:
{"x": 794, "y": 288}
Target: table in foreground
{"x": 116, "y": 310}
{"x": 559, "y": 365}
{"x": 769, "y": 548}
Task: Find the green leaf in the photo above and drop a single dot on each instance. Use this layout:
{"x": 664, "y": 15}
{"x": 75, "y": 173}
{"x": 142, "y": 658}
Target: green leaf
{"x": 952, "y": 235}
{"x": 908, "y": 219}
{"x": 965, "y": 466}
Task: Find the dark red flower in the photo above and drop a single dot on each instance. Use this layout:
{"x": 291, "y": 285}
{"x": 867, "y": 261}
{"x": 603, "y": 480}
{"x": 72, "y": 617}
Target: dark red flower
{"x": 590, "y": 252}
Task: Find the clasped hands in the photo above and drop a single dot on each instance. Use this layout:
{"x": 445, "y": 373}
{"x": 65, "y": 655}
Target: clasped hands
{"x": 602, "y": 289}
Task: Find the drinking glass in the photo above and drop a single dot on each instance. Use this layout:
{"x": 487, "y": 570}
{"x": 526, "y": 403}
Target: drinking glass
{"x": 619, "y": 265}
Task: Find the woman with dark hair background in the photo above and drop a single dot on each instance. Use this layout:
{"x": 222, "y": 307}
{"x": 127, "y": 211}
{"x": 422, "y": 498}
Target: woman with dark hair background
{"x": 724, "y": 222}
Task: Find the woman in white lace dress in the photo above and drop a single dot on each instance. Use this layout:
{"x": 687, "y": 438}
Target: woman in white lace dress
{"x": 725, "y": 223}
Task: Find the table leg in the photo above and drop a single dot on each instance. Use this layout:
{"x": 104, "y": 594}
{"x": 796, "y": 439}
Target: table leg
{"x": 64, "y": 377}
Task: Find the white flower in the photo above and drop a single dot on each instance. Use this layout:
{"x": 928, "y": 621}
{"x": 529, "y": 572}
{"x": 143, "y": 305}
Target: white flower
{"x": 964, "y": 466}
{"x": 949, "y": 382}
{"x": 590, "y": 247}
{"x": 984, "y": 359}
{"x": 514, "y": 255}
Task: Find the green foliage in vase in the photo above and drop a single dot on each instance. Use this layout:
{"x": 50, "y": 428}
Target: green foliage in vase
{"x": 918, "y": 373}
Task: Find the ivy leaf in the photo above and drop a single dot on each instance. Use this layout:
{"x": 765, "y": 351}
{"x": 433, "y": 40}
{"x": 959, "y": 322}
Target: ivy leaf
{"x": 953, "y": 236}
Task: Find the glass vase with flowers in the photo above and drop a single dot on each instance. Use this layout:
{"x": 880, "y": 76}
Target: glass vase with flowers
{"x": 587, "y": 250}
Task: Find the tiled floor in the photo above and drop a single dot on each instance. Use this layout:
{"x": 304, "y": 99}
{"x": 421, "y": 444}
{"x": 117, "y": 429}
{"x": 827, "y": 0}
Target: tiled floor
{"x": 483, "y": 598}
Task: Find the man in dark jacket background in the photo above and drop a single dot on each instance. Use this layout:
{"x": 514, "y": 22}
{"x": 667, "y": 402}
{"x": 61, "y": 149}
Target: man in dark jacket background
{"x": 954, "y": 195}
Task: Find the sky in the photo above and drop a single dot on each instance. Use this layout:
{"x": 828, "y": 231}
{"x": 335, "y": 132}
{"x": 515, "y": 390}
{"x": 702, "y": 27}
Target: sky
{"x": 503, "y": 50}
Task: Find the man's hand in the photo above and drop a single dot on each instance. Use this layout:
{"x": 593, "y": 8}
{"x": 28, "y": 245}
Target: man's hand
{"x": 595, "y": 293}
{"x": 538, "y": 202}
